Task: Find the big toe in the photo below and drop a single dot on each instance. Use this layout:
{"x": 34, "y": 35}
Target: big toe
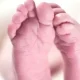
{"x": 45, "y": 13}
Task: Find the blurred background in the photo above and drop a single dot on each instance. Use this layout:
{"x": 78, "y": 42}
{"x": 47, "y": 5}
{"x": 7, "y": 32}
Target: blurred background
{"x": 7, "y": 9}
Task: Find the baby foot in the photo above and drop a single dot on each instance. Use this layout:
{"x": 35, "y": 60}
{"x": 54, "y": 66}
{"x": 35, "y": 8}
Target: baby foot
{"x": 31, "y": 33}
{"x": 67, "y": 33}
{"x": 68, "y": 42}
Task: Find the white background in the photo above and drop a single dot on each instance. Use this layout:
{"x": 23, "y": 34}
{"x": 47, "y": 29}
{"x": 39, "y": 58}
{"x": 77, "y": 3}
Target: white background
{"x": 8, "y": 8}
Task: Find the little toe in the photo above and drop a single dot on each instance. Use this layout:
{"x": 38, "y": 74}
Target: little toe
{"x": 12, "y": 30}
{"x": 17, "y": 19}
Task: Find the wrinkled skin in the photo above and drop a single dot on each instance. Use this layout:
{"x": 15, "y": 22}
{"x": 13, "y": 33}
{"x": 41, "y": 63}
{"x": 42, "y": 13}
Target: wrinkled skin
{"x": 32, "y": 40}
{"x": 32, "y": 35}
{"x": 67, "y": 40}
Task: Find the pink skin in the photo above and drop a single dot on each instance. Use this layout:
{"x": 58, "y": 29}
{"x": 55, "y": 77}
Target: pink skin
{"x": 32, "y": 36}
{"x": 67, "y": 40}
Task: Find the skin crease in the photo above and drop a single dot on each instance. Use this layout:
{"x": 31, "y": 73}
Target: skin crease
{"x": 30, "y": 44}
{"x": 65, "y": 41}
{"x": 5, "y": 46}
